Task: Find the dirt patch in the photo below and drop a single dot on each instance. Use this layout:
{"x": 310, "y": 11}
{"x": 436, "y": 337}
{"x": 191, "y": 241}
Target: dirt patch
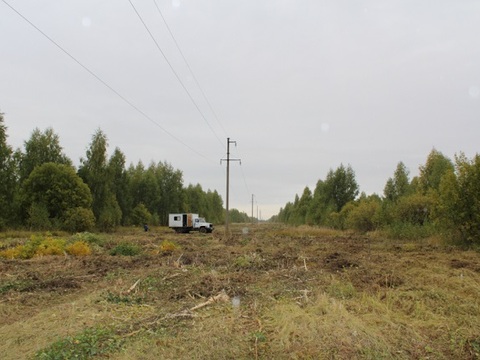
{"x": 336, "y": 261}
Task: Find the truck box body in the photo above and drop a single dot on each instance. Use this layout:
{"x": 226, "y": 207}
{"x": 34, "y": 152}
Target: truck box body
{"x": 181, "y": 220}
{"x": 186, "y": 222}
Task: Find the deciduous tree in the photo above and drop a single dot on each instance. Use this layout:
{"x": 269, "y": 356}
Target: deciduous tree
{"x": 56, "y": 188}
{"x": 8, "y": 184}
{"x": 41, "y": 148}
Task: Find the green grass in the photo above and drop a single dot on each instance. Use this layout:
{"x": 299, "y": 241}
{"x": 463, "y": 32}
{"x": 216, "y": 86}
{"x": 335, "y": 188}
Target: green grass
{"x": 94, "y": 342}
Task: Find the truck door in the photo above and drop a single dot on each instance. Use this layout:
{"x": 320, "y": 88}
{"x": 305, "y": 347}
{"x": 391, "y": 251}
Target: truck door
{"x": 184, "y": 220}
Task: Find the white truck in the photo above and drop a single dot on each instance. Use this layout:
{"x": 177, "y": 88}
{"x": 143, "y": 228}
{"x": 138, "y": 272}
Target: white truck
{"x": 186, "y": 222}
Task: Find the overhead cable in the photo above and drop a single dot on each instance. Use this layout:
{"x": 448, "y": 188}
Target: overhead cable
{"x": 189, "y": 68}
{"x": 97, "y": 77}
{"x": 175, "y": 73}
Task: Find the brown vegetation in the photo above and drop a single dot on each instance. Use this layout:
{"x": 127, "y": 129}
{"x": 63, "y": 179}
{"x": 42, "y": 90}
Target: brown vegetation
{"x": 274, "y": 292}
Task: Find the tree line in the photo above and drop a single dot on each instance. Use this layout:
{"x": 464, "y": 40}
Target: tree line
{"x": 41, "y": 189}
{"x": 444, "y": 199}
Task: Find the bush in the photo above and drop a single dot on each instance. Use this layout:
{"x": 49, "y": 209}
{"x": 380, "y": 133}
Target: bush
{"x": 363, "y": 216}
{"x": 38, "y": 217}
{"x": 36, "y": 246}
{"x": 140, "y": 215}
{"x": 109, "y": 218}
{"x": 78, "y": 248}
{"x": 50, "y": 246}
{"x": 125, "y": 249}
{"x": 402, "y": 230}
{"x": 79, "y": 219}
{"x": 168, "y": 246}
{"x": 415, "y": 209}
{"x": 12, "y": 253}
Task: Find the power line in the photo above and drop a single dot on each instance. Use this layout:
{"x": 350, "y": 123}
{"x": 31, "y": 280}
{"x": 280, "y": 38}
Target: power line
{"x": 189, "y": 68}
{"x": 174, "y": 72}
{"x": 105, "y": 83}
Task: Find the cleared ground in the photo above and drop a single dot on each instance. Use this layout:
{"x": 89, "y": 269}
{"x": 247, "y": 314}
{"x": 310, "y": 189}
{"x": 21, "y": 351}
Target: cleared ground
{"x": 268, "y": 292}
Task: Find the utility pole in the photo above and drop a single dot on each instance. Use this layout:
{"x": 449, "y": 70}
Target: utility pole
{"x": 228, "y": 181}
{"x": 252, "y": 208}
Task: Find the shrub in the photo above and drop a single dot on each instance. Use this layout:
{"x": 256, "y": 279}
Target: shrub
{"x": 36, "y": 246}
{"x": 168, "y": 246}
{"x": 110, "y": 216}
{"x": 363, "y": 216}
{"x": 125, "y": 249}
{"x": 50, "y": 246}
{"x": 404, "y": 230}
{"x": 414, "y": 209}
{"x": 89, "y": 238}
{"x": 12, "y": 253}
{"x": 140, "y": 215}
{"x": 38, "y": 217}
{"x": 79, "y": 219}
{"x": 78, "y": 248}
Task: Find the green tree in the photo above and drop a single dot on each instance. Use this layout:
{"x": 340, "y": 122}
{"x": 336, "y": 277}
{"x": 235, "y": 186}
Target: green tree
{"x": 143, "y": 186}
{"x": 195, "y": 199}
{"x": 140, "y": 215}
{"x": 301, "y": 207}
{"x": 236, "y": 216}
{"x": 41, "y": 148}
{"x": 215, "y": 211}
{"x": 95, "y": 172}
{"x": 460, "y": 198}
{"x": 431, "y": 173}
{"x": 56, "y": 188}
{"x": 364, "y": 216}
{"x": 340, "y": 186}
{"x": 172, "y": 196}
{"x": 320, "y": 206}
{"x": 399, "y": 185}
{"x": 8, "y": 183}
{"x": 79, "y": 219}
{"x": 120, "y": 182}
{"x": 415, "y": 209}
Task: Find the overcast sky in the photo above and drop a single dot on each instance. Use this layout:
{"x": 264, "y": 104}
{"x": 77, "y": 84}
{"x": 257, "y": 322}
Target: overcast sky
{"x": 301, "y": 86}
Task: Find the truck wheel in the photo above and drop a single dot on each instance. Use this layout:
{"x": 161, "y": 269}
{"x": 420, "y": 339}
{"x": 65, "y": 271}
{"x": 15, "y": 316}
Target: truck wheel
{"x": 203, "y": 230}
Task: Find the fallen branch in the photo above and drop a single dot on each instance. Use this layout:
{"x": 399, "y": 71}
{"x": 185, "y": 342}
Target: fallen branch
{"x": 133, "y": 287}
{"x": 168, "y": 277}
{"x": 177, "y": 262}
{"x": 221, "y": 297}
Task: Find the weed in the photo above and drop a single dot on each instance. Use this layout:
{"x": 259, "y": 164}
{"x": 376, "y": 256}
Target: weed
{"x": 248, "y": 261}
{"x": 89, "y": 343}
{"x": 38, "y": 245}
{"x": 259, "y": 336}
{"x": 341, "y": 290}
{"x": 122, "y": 299}
{"x": 89, "y": 238}
{"x": 50, "y": 246}
{"x": 168, "y": 247}
{"x": 78, "y": 248}
{"x": 12, "y": 253}
{"x": 125, "y": 249}
{"x": 13, "y": 285}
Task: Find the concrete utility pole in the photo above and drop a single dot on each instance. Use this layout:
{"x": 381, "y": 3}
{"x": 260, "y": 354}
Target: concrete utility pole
{"x": 228, "y": 181}
{"x": 252, "y": 208}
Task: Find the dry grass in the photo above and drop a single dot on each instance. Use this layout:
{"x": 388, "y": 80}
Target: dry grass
{"x": 293, "y": 293}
